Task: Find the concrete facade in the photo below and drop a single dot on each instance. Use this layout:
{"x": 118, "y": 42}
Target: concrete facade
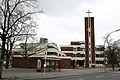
{"x": 70, "y": 56}
{"x": 76, "y": 50}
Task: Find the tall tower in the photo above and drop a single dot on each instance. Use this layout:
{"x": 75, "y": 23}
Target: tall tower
{"x": 89, "y": 41}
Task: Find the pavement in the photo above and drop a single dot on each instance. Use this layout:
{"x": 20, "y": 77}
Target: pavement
{"x": 23, "y": 74}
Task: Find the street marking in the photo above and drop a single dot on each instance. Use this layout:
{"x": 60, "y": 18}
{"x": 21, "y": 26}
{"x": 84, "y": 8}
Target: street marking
{"x": 100, "y": 76}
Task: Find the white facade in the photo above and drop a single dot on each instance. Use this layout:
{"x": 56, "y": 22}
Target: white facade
{"x": 78, "y": 53}
{"x": 40, "y": 50}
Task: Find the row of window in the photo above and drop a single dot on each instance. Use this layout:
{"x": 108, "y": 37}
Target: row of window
{"x": 78, "y": 49}
{"x": 82, "y": 55}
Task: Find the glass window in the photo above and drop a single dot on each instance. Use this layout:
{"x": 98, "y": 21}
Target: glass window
{"x": 74, "y": 49}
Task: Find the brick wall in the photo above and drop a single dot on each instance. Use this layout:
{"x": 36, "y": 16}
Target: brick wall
{"x": 20, "y": 62}
{"x": 65, "y": 64}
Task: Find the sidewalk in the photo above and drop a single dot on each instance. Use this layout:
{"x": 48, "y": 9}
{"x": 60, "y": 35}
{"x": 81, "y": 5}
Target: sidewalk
{"x": 32, "y": 74}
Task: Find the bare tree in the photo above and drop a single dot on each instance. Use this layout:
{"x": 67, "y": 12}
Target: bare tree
{"x": 14, "y": 16}
{"x": 29, "y": 48}
{"x": 112, "y": 52}
{"x": 29, "y": 28}
{"x": 30, "y": 45}
{"x": 112, "y": 56}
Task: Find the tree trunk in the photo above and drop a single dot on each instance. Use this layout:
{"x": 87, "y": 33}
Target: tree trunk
{"x": 26, "y": 62}
{"x": 113, "y": 67}
{"x": 3, "y": 50}
{"x": 1, "y": 68}
{"x": 7, "y": 63}
{"x": 2, "y": 57}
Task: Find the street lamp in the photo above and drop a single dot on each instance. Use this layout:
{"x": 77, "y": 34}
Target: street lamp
{"x": 45, "y": 56}
{"x": 106, "y": 39}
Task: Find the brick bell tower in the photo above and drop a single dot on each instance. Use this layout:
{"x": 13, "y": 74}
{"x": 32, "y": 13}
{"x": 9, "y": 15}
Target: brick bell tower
{"x": 89, "y": 41}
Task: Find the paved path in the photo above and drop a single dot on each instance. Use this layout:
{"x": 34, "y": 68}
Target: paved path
{"x": 32, "y": 74}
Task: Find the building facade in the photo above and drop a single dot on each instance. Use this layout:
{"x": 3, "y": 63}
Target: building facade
{"x": 70, "y": 56}
{"x": 76, "y": 50}
{"x": 47, "y": 54}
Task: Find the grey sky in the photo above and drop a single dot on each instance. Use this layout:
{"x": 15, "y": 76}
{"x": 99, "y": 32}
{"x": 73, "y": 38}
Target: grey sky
{"x": 63, "y": 20}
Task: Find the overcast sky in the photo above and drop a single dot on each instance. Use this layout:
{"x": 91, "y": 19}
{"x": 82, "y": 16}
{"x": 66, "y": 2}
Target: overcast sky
{"x": 63, "y": 20}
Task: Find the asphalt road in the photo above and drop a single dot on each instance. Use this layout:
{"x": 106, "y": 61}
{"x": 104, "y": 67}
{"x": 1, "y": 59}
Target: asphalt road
{"x": 94, "y": 76}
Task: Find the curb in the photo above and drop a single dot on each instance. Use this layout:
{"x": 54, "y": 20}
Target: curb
{"x": 53, "y": 77}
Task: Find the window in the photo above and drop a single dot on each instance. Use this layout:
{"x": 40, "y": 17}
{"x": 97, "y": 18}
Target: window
{"x": 97, "y": 55}
{"x": 74, "y": 49}
{"x": 99, "y": 62}
{"x": 82, "y": 55}
{"x": 50, "y": 47}
{"x": 81, "y": 49}
{"x": 99, "y": 49}
{"x": 78, "y": 54}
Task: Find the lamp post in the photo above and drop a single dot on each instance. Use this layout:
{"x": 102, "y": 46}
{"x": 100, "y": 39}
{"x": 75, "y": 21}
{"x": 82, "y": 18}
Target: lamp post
{"x": 106, "y": 39}
{"x": 45, "y": 65}
{"x": 45, "y": 56}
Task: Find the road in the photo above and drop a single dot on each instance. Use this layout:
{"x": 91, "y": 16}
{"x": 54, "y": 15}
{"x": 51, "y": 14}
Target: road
{"x": 94, "y": 76}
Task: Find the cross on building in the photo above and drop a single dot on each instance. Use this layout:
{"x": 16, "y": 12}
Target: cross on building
{"x": 88, "y": 13}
